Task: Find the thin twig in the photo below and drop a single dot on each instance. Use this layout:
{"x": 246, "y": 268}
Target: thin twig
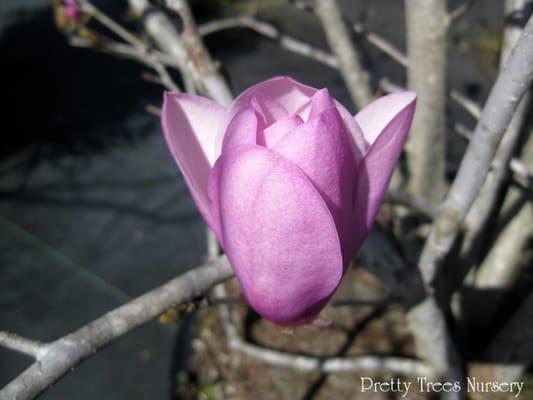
{"x": 21, "y": 344}
{"x": 473, "y": 108}
{"x": 413, "y": 202}
{"x": 142, "y": 50}
{"x": 270, "y": 31}
{"x": 381, "y": 44}
{"x": 92, "y": 11}
{"x": 154, "y": 110}
{"x": 205, "y": 69}
{"x": 460, "y": 11}
{"x": 481, "y": 210}
{"x": 521, "y": 172}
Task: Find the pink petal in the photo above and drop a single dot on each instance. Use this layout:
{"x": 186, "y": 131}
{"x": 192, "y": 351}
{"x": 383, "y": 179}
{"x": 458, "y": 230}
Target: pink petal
{"x": 243, "y": 129}
{"x": 190, "y": 123}
{"x": 271, "y": 135}
{"x": 283, "y": 97}
{"x": 377, "y": 115}
{"x": 375, "y": 171}
{"x": 290, "y": 94}
{"x": 270, "y": 109}
{"x": 322, "y": 100}
{"x": 321, "y": 148}
{"x": 278, "y": 233}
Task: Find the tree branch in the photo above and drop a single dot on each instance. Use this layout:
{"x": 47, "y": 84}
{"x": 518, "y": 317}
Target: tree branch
{"x": 500, "y": 267}
{"x": 382, "y": 44}
{"x": 270, "y": 31}
{"x": 213, "y": 83}
{"x": 426, "y": 73}
{"x": 18, "y": 343}
{"x": 460, "y": 11}
{"x": 512, "y": 83}
{"x": 339, "y": 41}
{"x": 481, "y": 210}
{"x": 60, "y": 356}
{"x": 142, "y": 51}
{"x": 413, "y": 202}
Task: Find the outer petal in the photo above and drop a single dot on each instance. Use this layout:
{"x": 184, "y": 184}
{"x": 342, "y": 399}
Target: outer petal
{"x": 278, "y": 234}
{"x": 376, "y": 169}
{"x": 190, "y": 124}
{"x": 377, "y": 115}
{"x": 321, "y": 148}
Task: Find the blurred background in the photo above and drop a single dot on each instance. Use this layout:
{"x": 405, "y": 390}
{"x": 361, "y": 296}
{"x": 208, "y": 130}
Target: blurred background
{"x": 93, "y": 210}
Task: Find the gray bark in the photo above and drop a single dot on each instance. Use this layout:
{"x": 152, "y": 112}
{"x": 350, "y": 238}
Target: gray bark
{"x": 426, "y": 73}
{"x": 501, "y": 265}
{"x": 338, "y": 38}
{"x": 483, "y": 207}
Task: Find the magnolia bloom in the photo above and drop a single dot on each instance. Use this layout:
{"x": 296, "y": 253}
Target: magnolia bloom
{"x": 290, "y": 183}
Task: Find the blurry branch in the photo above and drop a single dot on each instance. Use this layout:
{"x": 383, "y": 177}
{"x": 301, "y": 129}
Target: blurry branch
{"x": 161, "y": 31}
{"x": 209, "y": 76}
{"x": 380, "y": 43}
{"x": 376, "y": 364}
{"x": 511, "y": 84}
{"x": 374, "y": 39}
{"x": 154, "y": 110}
{"x": 500, "y": 267}
{"x": 473, "y": 108}
{"x": 522, "y": 172}
{"x": 61, "y": 356}
{"x": 413, "y": 202}
{"x": 460, "y": 11}
{"x": 270, "y": 31}
{"x": 481, "y": 210}
{"x": 141, "y": 52}
{"x": 339, "y": 41}
{"x": 90, "y": 10}
{"x": 22, "y": 345}
{"x": 426, "y": 75}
